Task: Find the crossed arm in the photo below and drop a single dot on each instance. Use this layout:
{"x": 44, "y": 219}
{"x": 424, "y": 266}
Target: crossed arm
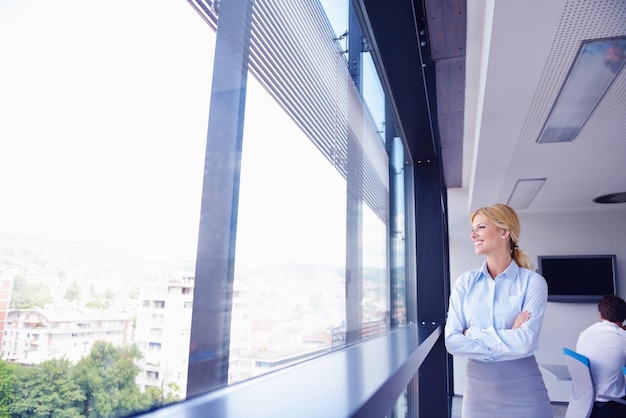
{"x": 486, "y": 342}
{"x": 519, "y": 320}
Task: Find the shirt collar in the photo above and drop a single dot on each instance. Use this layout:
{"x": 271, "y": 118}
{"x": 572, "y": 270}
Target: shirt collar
{"x": 606, "y": 321}
{"x": 511, "y": 270}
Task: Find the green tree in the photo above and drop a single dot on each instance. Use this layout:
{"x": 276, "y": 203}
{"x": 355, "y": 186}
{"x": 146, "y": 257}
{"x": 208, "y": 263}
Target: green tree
{"x": 73, "y": 291}
{"x": 134, "y": 293}
{"x": 8, "y": 379}
{"x": 92, "y": 292}
{"x": 109, "y": 294}
{"x": 173, "y": 395}
{"x": 96, "y": 304}
{"x": 25, "y": 295}
{"x": 46, "y": 390}
{"x": 159, "y": 397}
{"x": 41, "y": 295}
{"x": 107, "y": 379}
{"x": 18, "y": 292}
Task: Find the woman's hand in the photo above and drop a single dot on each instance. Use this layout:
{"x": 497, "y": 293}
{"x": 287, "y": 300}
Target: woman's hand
{"x": 520, "y": 319}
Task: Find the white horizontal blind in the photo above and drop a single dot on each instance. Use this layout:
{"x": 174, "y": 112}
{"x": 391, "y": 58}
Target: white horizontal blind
{"x": 294, "y": 56}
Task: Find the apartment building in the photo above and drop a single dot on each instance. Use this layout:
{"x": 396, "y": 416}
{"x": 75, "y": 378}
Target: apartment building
{"x": 6, "y": 283}
{"x": 163, "y": 329}
{"x": 32, "y": 336}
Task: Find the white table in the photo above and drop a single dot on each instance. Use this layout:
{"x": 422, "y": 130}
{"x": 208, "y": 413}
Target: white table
{"x": 558, "y": 371}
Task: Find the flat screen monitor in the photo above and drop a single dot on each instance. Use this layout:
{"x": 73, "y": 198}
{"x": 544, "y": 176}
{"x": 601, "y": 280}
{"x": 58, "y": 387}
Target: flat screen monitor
{"x": 579, "y": 278}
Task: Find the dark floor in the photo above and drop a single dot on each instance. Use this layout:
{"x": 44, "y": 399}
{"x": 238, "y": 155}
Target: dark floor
{"x": 558, "y": 408}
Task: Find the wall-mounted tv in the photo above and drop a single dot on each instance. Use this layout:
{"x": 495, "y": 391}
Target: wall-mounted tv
{"x": 579, "y": 278}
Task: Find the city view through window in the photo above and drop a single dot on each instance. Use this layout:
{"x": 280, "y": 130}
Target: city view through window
{"x": 103, "y": 117}
{"x": 103, "y": 124}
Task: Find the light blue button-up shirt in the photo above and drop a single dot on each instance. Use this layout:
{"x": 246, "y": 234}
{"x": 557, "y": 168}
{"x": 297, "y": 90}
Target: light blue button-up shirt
{"x": 487, "y": 308}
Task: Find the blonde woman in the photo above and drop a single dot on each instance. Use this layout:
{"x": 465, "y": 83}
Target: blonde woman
{"x": 494, "y": 318}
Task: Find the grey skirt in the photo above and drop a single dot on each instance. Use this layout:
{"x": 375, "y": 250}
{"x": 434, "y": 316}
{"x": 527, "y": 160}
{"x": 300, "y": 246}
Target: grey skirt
{"x": 502, "y": 389}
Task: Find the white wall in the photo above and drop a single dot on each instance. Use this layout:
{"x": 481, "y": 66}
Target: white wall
{"x": 590, "y": 232}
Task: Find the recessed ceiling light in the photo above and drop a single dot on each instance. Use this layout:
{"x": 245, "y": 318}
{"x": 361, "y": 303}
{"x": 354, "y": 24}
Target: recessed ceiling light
{"x": 595, "y": 68}
{"x": 611, "y": 198}
{"x": 524, "y": 192}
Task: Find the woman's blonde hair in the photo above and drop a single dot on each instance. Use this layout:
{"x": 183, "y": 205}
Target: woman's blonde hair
{"x": 504, "y": 217}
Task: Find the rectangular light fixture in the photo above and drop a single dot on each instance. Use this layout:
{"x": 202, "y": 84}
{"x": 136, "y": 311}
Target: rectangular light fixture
{"x": 595, "y": 67}
{"x": 524, "y": 192}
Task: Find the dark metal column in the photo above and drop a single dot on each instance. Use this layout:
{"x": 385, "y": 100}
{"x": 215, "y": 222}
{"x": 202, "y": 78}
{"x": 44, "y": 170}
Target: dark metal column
{"x": 411, "y": 77}
{"x": 432, "y": 283}
{"x": 212, "y": 305}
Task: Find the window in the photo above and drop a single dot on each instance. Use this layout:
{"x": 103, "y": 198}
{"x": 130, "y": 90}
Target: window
{"x": 310, "y": 229}
{"x": 104, "y": 112}
{"x": 102, "y": 160}
{"x": 156, "y": 332}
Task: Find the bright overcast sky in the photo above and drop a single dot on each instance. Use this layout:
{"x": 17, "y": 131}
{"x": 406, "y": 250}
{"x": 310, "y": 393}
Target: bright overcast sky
{"x": 103, "y": 114}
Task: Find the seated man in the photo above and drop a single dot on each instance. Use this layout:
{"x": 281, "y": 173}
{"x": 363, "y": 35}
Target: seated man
{"x": 604, "y": 343}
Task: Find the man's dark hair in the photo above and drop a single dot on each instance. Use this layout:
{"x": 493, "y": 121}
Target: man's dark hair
{"x": 612, "y": 308}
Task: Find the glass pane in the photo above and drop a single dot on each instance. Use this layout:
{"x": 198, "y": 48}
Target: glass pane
{"x": 101, "y": 164}
{"x": 401, "y": 409}
{"x": 103, "y": 117}
{"x": 375, "y": 278}
{"x": 373, "y": 94}
{"x": 337, "y": 14}
{"x": 398, "y": 233}
{"x": 290, "y": 257}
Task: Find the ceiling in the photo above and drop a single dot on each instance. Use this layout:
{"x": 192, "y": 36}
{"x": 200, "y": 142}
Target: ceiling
{"x": 525, "y": 49}
{"x": 499, "y": 66}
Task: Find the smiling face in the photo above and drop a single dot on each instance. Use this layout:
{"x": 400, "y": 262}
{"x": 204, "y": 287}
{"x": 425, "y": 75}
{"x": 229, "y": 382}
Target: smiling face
{"x": 488, "y": 238}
